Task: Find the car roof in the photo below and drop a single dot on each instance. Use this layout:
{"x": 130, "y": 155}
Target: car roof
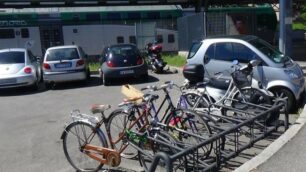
{"x": 13, "y": 49}
{"x": 239, "y": 37}
{"x": 63, "y": 46}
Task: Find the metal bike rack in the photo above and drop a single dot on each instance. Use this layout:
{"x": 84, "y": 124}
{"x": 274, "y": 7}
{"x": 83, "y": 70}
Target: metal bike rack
{"x": 227, "y": 140}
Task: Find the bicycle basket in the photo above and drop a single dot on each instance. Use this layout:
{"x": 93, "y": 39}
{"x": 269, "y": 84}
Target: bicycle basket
{"x": 242, "y": 79}
{"x": 131, "y": 92}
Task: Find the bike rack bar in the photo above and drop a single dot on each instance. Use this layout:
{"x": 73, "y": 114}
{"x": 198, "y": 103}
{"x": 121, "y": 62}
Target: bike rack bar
{"x": 166, "y": 159}
{"x": 221, "y": 156}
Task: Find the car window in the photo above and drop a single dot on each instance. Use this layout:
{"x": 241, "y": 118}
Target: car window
{"x": 268, "y": 50}
{"x": 243, "y": 54}
{"x": 224, "y": 51}
{"x": 210, "y": 52}
{"x": 194, "y": 49}
{"x": 62, "y": 54}
{"x": 123, "y": 51}
{"x": 12, "y": 57}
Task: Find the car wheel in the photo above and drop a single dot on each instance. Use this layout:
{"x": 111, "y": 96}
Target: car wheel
{"x": 35, "y": 86}
{"x": 105, "y": 80}
{"x": 145, "y": 77}
{"x": 48, "y": 85}
{"x": 88, "y": 74}
{"x": 284, "y": 93}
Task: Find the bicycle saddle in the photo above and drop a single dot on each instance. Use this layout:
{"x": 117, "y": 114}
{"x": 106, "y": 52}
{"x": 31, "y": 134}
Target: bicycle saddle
{"x": 99, "y": 108}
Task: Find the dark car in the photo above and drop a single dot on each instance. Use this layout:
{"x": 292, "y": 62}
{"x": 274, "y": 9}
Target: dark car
{"x": 121, "y": 61}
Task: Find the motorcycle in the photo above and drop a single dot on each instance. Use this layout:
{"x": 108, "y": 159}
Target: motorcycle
{"x": 154, "y": 55}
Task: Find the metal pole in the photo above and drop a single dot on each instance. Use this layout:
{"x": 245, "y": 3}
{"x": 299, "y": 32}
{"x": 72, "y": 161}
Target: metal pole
{"x": 285, "y": 27}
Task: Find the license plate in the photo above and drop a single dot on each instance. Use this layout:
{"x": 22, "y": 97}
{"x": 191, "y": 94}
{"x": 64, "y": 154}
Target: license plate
{"x": 62, "y": 65}
{"x": 124, "y": 72}
{"x": 8, "y": 81}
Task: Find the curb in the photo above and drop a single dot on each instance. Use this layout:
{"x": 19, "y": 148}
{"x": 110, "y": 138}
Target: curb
{"x": 267, "y": 153}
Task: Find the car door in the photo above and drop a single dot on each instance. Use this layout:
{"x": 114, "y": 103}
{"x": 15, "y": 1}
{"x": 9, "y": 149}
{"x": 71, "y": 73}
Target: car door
{"x": 219, "y": 59}
{"x": 244, "y": 55}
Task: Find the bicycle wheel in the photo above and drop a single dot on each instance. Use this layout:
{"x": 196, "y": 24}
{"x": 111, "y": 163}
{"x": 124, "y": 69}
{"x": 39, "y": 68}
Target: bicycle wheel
{"x": 118, "y": 122}
{"x": 190, "y": 98}
{"x": 151, "y": 147}
{"x": 257, "y": 97}
{"x": 76, "y": 135}
{"x": 190, "y": 122}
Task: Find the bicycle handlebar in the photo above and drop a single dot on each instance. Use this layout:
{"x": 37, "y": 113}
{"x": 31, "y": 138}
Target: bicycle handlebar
{"x": 168, "y": 84}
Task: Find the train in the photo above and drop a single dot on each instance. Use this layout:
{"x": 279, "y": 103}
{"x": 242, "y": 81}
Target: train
{"x": 93, "y": 28}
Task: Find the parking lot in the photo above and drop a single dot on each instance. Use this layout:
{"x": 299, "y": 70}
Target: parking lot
{"x": 32, "y": 122}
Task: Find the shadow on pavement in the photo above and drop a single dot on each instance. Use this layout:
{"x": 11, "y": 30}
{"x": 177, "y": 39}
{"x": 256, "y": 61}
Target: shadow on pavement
{"x": 21, "y": 91}
{"x": 93, "y": 82}
{"x": 132, "y": 81}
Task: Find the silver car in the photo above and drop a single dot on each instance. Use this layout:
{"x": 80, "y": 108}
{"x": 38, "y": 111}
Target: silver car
{"x": 65, "y": 63}
{"x": 19, "y": 67}
{"x": 277, "y": 72}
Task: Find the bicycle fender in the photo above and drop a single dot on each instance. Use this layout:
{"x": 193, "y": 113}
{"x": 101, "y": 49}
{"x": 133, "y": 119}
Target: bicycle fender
{"x": 99, "y": 131}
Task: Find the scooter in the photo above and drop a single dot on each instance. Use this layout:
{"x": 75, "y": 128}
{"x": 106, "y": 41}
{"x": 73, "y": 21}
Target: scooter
{"x": 154, "y": 55}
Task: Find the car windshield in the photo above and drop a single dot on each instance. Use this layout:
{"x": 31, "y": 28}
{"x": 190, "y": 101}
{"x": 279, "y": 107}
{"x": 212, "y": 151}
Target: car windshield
{"x": 12, "y": 57}
{"x": 62, "y": 54}
{"x": 269, "y": 51}
{"x": 123, "y": 51}
{"x": 193, "y": 50}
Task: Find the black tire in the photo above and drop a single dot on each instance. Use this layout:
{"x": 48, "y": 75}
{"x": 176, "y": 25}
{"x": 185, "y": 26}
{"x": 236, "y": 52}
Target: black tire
{"x": 87, "y": 74}
{"x": 257, "y": 97}
{"x": 193, "y": 123}
{"x": 151, "y": 148}
{"x": 118, "y": 122}
{"x": 145, "y": 77}
{"x": 106, "y": 80}
{"x": 72, "y": 146}
{"x": 192, "y": 97}
{"x": 283, "y": 93}
{"x": 35, "y": 86}
{"x": 48, "y": 85}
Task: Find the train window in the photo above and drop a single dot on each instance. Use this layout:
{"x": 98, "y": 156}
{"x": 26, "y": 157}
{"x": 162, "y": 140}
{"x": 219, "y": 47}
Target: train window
{"x": 132, "y": 39}
{"x": 76, "y": 17}
{"x": 120, "y": 39}
{"x": 134, "y": 15}
{"x": 153, "y": 15}
{"x": 93, "y": 17}
{"x": 25, "y": 33}
{"x": 171, "y": 38}
{"x": 113, "y": 16}
{"x": 159, "y": 39}
{"x": 7, "y": 33}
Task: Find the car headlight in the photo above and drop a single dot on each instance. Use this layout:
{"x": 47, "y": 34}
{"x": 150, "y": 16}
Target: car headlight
{"x": 291, "y": 74}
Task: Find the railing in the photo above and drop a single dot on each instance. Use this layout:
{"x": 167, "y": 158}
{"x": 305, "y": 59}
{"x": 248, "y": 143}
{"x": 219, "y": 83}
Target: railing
{"x": 229, "y": 138}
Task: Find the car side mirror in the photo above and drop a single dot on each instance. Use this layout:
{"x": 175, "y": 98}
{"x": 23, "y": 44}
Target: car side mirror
{"x": 255, "y": 62}
{"x": 235, "y": 62}
{"x": 206, "y": 59}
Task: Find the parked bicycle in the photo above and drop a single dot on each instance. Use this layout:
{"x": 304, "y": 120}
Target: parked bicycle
{"x": 240, "y": 89}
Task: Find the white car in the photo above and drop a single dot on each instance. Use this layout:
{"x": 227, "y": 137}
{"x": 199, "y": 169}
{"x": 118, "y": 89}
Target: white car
{"x": 277, "y": 73}
{"x": 65, "y": 63}
{"x": 19, "y": 67}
